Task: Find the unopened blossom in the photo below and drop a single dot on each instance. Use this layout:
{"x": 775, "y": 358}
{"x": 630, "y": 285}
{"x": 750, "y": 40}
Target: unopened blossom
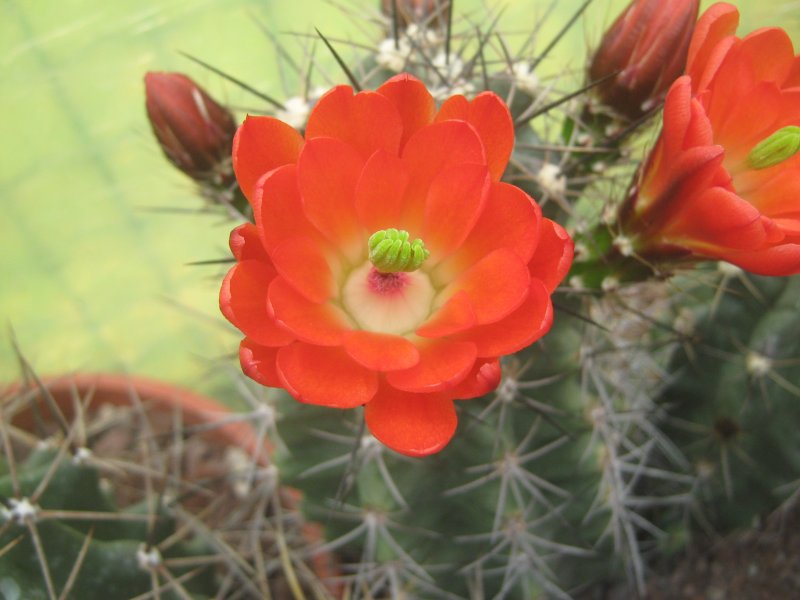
{"x": 723, "y": 180}
{"x": 388, "y": 266}
{"x": 643, "y": 52}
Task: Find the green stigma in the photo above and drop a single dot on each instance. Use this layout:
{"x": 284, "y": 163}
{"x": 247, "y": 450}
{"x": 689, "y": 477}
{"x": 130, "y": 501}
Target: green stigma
{"x": 773, "y": 150}
{"x": 391, "y": 252}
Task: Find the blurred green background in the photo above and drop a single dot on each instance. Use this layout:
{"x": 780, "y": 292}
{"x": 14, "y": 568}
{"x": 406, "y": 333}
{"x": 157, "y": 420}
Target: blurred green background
{"x": 92, "y": 275}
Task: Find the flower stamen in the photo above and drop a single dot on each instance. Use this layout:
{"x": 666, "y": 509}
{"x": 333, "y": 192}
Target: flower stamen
{"x": 390, "y": 251}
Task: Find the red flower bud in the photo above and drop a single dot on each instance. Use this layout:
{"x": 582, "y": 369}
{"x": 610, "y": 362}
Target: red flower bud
{"x": 195, "y": 133}
{"x": 431, "y": 12}
{"x": 647, "y": 47}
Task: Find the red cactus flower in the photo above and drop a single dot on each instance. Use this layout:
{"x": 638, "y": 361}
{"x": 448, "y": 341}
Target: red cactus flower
{"x": 723, "y": 180}
{"x": 388, "y": 266}
{"x": 646, "y": 46}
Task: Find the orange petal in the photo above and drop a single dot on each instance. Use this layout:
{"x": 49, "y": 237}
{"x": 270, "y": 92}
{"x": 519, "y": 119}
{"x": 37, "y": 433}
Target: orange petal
{"x": 258, "y": 363}
{"x": 496, "y": 285}
{"x": 328, "y": 171}
{"x": 510, "y": 219}
{"x": 777, "y": 261}
{"x": 770, "y": 52}
{"x": 453, "y": 316}
{"x": 455, "y": 202}
{"x": 325, "y": 376}
{"x": 411, "y": 424}
{"x": 490, "y": 117}
{"x": 245, "y": 244}
{"x": 553, "y": 257}
{"x": 516, "y": 331}
{"x": 431, "y": 150}
{"x": 380, "y": 192}
{"x": 301, "y": 263}
{"x": 366, "y": 121}
{"x": 484, "y": 377}
{"x": 442, "y": 365}
{"x": 322, "y": 324}
{"x": 715, "y": 24}
{"x": 278, "y": 208}
{"x": 380, "y": 351}
{"x": 243, "y": 301}
{"x": 260, "y": 145}
{"x": 412, "y": 100}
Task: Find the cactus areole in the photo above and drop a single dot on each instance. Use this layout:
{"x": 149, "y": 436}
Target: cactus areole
{"x": 340, "y": 300}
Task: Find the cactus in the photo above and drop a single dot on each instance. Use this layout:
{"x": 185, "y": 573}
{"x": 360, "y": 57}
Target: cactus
{"x": 659, "y": 410}
{"x": 129, "y": 501}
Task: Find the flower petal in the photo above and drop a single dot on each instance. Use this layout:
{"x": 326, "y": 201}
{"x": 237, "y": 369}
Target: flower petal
{"x": 412, "y": 424}
{"x": 496, "y": 285}
{"x": 243, "y": 301}
{"x": 455, "y": 202}
{"x": 260, "y": 145}
{"x": 381, "y": 351}
{"x": 412, "y": 100}
{"x": 442, "y": 364}
{"x": 490, "y": 117}
{"x": 380, "y": 192}
{"x": 776, "y": 261}
{"x": 430, "y": 151}
{"x": 325, "y": 376}
{"x": 323, "y": 324}
{"x": 553, "y": 257}
{"x": 328, "y": 171}
{"x": 521, "y": 328}
{"x": 258, "y": 363}
{"x": 367, "y": 121}
{"x": 484, "y": 377}
{"x": 245, "y": 244}
{"x": 301, "y": 263}
{"x": 453, "y": 316}
{"x": 715, "y": 24}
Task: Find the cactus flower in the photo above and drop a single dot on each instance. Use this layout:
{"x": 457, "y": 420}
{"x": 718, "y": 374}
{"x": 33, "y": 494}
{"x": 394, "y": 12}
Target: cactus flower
{"x": 388, "y": 266}
{"x": 193, "y": 130}
{"x": 646, "y": 46}
{"x": 723, "y": 180}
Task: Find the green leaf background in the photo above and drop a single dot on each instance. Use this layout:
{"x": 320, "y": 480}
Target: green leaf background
{"x": 91, "y": 278}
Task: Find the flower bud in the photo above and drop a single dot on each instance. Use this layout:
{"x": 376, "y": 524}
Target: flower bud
{"x": 195, "y": 133}
{"x": 646, "y": 47}
{"x": 433, "y": 13}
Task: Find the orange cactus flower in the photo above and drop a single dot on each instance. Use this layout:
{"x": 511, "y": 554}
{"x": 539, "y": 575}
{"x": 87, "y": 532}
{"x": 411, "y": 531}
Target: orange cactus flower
{"x": 723, "y": 180}
{"x": 388, "y": 266}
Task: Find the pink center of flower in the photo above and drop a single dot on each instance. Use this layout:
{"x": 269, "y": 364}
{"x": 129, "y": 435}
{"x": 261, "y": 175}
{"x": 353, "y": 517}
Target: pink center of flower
{"x": 386, "y": 283}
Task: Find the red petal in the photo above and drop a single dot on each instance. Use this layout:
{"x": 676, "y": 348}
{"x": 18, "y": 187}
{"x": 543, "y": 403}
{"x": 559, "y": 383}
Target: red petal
{"x": 258, "y": 363}
{"x": 455, "y": 201}
{"x": 496, "y": 285}
{"x": 325, "y": 376}
{"x": 412, "y": 424}
{"x": 245, "y": 244}
{"x": 260, "y": 145}
{"x": 322, "y": 324}
{"x": 490, "y": 117}
{"x": 484, "y": 377}
{"x": 553, "y": 257}
{"x": 777, "y": 261}
{"x": 380, "y": 192}
{"x": 380, "y": 351}
{"x": 431, "y": 150}
{"x": 442, "y": 364}
{"x": 412, "y": 101}
{"x": 301, "y": 263}
{"x": 715, "y": 24}
{"x": 278, "y": 208}
{"x": 519, "y": 329}
{"x": 454, "y": 315}
{"x": 366, "y": 121}
{"x": 328, "y": 172}
{"x": 510, "y": 219}
{"x": 243, "y": 301}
